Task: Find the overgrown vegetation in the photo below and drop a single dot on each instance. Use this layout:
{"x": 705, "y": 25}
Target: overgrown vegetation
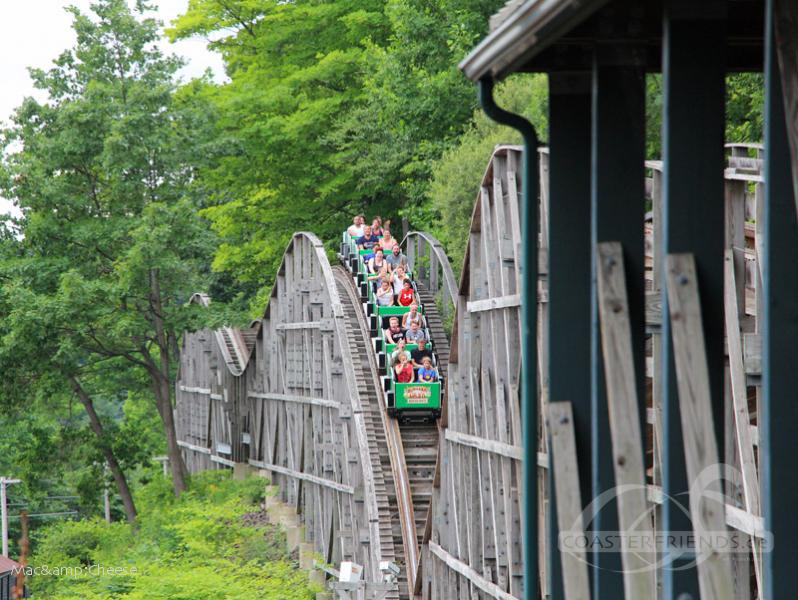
{"x": 197, "y": 547}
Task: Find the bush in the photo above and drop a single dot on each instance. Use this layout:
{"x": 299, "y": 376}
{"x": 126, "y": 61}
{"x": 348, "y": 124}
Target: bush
{"x": 197, "y": 547}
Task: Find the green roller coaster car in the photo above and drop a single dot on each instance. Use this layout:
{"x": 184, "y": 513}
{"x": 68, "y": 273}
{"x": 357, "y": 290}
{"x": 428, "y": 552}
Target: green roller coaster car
{"x": 405, "y": 400}
{"x": 417, "y": 396}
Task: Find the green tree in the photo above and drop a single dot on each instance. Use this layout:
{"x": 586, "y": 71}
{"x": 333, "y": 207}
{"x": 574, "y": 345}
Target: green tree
{"x": 457, "y": 175}
{"x": 745, "y": 96}
{"x": 111, "y": 247}
{"x": 294, "y": 69}
{"x": 419, "y": 102}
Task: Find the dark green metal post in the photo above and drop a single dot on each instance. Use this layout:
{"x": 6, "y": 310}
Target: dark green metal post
{"x": 529, "y": 278}
{"x": 693, "y": 65}
{"x": 569, "y": 273}
{"x": 779, "y": 411}
{"x": 617, "y": 212}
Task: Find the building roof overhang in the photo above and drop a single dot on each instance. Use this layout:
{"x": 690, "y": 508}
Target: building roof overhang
{"x": 525, "y": 32}
{"x": 566, "y": 35}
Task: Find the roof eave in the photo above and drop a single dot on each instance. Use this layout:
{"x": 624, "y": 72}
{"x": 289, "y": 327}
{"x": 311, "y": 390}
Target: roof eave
{"x": 526, "y": 32}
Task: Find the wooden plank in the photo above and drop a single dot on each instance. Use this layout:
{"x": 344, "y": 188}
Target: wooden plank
{"x": 222, "y": 461}
{"x": 481, "y": 443}
{"x": 741, "y": 520}
{"x": 291, "y": 398}
{"x": 490, "y": 588}
{"x": 510, "y": 301}
{"x": 627, "y": 440}
{"x": 195, "y": 390}
{"x": 740, "y": 390}
{"x": 333, "y": 485}
{"x": 193, "y": 447}
{"x": 742, "y": 420}
{"x": 736, "y": 518}
{"x": 752, "y": 353}
{"x": 576, "y": 581}
{"x": 299, "y": 325}
{"x": 700, "y": 446}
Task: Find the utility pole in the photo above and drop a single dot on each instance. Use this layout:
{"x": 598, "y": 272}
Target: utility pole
{"x": 4, "y": 482}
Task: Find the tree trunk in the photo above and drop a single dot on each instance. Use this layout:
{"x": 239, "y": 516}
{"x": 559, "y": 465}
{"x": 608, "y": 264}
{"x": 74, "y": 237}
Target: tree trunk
{"x": 176, "y": 463}
{"x": 105, "y": 448}
{"x": 162, "y": 386}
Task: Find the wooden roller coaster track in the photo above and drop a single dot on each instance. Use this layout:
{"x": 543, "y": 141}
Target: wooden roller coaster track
{"x": 298, "y": 396}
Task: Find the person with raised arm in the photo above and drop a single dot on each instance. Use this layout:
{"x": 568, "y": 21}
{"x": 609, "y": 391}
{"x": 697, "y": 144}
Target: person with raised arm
{"x": 394, "y": 333}
{"x": 403, "y": 370}
{"x": 376, "y": 226}
{"x": 384, "y": 295}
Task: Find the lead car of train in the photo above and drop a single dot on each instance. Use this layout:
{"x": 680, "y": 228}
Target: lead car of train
{"x": 405, "y": 401}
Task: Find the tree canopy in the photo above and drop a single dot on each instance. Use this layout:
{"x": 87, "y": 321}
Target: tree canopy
{"x": 111, "y": 246}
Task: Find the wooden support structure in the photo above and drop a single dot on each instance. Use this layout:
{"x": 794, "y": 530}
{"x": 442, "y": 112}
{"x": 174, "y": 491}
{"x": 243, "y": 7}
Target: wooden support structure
{"x": 283, "y": 397}
{"x": 472, "y": 549}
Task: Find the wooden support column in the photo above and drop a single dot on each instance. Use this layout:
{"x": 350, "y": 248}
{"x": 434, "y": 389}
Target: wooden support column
{"x": 569, "y": 271}
{"x": 778, "y": 441}
{"x": 693, "y": 215}
{"x": 617, "y": 212}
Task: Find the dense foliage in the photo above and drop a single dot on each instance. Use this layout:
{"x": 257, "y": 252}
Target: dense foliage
{"x": 196, "y": 547}
{"x": 111, "y": 246}
{"x": 332, "y": 107}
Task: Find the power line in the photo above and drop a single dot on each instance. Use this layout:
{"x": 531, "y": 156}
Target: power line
{"x": 53, "y": 514}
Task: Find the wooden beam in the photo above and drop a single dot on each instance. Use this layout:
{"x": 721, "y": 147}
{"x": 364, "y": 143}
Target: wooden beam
{"x": 576, "y": 581}
{"x": 222, "y": 461}
{"x": 298, "y": 325}
{"x": 736, "y": 518}
{"x": 617, "y": 215}
{"x": 742, "y": 419}
{"x": 494, "y": 303}
{"x": 295, "y": 399}
{"x": 515, "y": 452}
{"x": 333, "y": 485}
{"x": 694, "y": 70}
{"x": 785, "y": 21}
{"x": 192, "y": 447}
{"x": 700, "y": 445}
{"x": 622, "y": 397}
{"x": 490, "y": 588}
{"x": 195, "y": 390}
{"x": 778, "y": 415}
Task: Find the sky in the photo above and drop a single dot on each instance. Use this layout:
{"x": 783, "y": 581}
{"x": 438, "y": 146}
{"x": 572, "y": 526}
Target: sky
{"x": 34, "y": 32}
